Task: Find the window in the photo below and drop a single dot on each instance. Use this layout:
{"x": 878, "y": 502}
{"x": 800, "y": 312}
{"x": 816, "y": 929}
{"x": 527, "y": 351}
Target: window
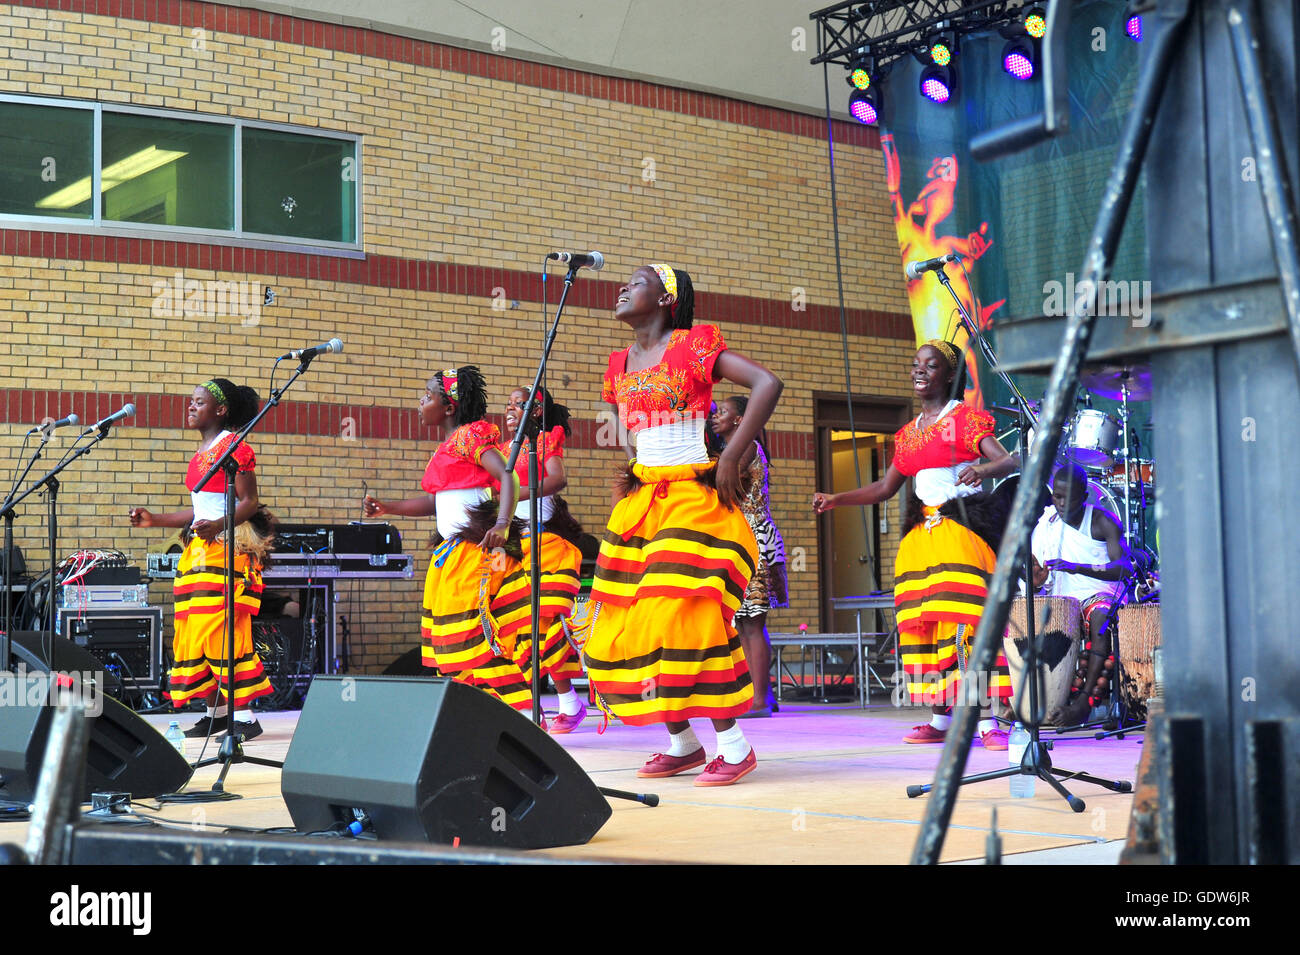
{"x": 46, "y": 161}
{"x": 126, "y": 169}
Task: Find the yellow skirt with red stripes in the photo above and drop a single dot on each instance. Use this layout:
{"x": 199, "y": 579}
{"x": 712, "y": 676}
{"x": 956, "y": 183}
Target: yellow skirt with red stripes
{"x": 199, "y": 647}
{"x": 459, "y": 634}
{"x": 673, "y": 568}
{"x": 941, "y": 580}
{"x": 512, "y": 608}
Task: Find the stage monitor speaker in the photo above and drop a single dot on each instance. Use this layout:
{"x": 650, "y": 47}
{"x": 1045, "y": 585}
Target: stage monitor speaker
{"x": 430, "y": 760}
{"x": 125, "y": 754}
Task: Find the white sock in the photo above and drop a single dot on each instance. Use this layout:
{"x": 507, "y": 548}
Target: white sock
{"x": 245, "y": 716}
{"x": 683, "y": 743}
{"x": 218, "y": 713}
{"x": 732, "y": 745}
{"x": 987, "y": 726}
{"x": 941, "y": 721}
{"x": 570, "y": 705}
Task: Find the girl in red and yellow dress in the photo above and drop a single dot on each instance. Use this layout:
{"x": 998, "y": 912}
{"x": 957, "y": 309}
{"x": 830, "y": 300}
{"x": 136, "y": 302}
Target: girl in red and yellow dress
{"x": 457, "y": 631}
{"x": 200, "y": 648}
{"x": 678, "y": 552}
{"x": 947, "y": 556}
{"x": 561, "y": 561}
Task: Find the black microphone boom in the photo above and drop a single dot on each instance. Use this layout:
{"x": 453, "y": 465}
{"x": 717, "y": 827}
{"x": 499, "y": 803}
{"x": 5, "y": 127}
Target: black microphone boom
{"x": 914, "y": 270}
{"x": 334, "y": 345}
{"x": 127, "y": 411}
{"x": 578, "y": 260}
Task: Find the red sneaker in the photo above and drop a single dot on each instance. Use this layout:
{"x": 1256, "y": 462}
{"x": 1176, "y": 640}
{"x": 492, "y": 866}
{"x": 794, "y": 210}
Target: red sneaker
{"x": 562, "y": 724}
{"x": 994, "y": 740}
{"x": 661, "y": 765}
{"x": 925, "y": 733}
{"x": 722, "y": 773}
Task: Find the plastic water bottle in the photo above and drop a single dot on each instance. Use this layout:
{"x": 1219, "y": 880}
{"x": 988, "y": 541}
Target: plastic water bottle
{"x": 175, "y": 736}
{"x": 1022, "y": 786}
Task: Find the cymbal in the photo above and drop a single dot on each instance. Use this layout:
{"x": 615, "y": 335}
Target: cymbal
{"x": 1013, "y": 412}
{"x": 1108, "y": 382}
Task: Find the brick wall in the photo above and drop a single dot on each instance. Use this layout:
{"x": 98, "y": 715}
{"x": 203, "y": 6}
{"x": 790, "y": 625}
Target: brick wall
{"x": 469, "y": 175}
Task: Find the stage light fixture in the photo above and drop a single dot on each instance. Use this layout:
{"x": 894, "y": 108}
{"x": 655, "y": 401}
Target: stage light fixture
{"x": 860, "y": 79}
{"x": 862, "y": 107}
{"x": 938, "y": 84}
{"x": 1020, "y": 59}
{"x": 1035, "y": 23}
{"x": 1133, "y": 27}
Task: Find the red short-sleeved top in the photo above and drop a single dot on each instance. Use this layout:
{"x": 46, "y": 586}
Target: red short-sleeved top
{"x": 203, "y": 461}
{"x": 676, "y": 389}
{"x": 455, "y": 464}
{"x": 953, "y": 439}
{"x": 550, "y": 444}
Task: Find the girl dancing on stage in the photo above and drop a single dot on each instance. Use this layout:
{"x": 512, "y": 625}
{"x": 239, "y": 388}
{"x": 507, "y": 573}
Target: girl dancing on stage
{"x": 561, "y": 560}
{"x": 457, "y": 630}
{"x": 947, "y": 556}
{"x": 216, "y": 409}
{"x": 767, "y": 588}
{"x": 677, "y": 554}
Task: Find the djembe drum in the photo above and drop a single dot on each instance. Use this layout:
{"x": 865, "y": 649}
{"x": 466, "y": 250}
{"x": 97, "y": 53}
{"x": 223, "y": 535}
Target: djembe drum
{"x": 1058, "y": 624}
{"x": 1139, "y": 635}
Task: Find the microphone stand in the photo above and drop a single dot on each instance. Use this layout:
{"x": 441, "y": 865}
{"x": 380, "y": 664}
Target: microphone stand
{"x": 1035, "y": 761}
{"x": 50, "y": 482}
{"x": 534, "y": 525}
{"x": 232, "y": 750}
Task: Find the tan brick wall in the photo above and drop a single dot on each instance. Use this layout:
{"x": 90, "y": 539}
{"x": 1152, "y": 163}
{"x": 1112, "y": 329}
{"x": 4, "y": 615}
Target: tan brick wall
{"x": 455, "y": 168}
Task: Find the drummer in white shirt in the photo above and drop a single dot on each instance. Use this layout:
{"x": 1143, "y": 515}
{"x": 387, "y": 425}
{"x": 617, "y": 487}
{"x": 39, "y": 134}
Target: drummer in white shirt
{"x": 1079, "y": 552}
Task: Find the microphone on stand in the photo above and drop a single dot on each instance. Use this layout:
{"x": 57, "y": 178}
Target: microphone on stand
{"x": 48, "y": 426}
{"x": 334, "y": 345}
{"x": 579, "y": 260}
{"x": 914, "y": 270}
{"x": 127, "y": 411}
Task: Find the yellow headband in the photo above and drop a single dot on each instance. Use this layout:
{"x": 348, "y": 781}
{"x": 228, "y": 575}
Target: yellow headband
{"x": 668, "y": 277}
{"x": 215, "y": 390}
{"x": 946, "y": 349}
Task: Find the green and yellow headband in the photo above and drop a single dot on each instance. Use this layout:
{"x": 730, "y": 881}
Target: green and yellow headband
{"x": 215, "y": 391}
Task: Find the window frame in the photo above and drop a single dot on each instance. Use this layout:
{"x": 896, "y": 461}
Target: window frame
{"x": 97, "y": 225}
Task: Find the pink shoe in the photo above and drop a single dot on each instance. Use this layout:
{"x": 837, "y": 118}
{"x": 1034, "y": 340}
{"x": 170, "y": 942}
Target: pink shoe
{"x": 994, "y": 740}
{"x": 562, "y": 724}
{"x": 661, "y": 765}
{"x": 925, "y": 733}
{"x": 722, "y": 773}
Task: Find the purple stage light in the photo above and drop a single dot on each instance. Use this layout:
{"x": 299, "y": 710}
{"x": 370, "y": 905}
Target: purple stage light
{"x": 1133, "y": 27}
{"x": 863, "y": 111}
{"x": 935, "y": 90}
{"x": 1018, "y": 65}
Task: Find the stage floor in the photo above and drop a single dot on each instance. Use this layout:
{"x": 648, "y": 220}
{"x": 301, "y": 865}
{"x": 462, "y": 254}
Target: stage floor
{"x": 829, "y": 789}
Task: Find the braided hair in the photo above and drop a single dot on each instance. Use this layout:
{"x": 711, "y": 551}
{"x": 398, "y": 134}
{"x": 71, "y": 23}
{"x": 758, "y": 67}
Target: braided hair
{"x": 553, "y": 413}
{"x": 471, "y": 394}
{"x": 241, "y": 403}
{"x": 740, "y": 403}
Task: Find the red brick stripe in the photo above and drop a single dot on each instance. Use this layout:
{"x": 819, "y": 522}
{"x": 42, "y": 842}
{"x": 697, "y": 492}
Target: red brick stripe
{"x": 386, "y": 46}
{"x": 29, "y": 407}
{"x": 386, "y": 271}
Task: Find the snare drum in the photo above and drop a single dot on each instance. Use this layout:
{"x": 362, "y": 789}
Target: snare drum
{"x": 1139, "y": 635}
{"x": 1058, "y": 624}
{"x": 1146, "y": 470}
{"x": 1092, "y": 439}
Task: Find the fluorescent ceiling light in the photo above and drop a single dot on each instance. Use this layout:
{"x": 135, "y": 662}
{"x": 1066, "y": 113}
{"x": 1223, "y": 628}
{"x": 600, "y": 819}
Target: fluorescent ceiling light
{"x": 146, "y": 160}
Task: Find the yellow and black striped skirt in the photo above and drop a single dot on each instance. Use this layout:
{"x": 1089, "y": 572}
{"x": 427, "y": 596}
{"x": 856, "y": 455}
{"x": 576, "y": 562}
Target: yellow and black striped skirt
{"x": 673, "y": 568}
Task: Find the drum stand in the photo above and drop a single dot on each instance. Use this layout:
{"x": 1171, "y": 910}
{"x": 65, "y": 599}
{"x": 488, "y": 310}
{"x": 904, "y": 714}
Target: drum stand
{"x": 1035, "y": 761}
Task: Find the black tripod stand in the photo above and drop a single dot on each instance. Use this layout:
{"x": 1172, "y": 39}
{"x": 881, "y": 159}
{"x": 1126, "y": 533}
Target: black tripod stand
{"x": 524, "y": 432}
{"x": 231, "y": 750}
{"x": 1035, "y": 761}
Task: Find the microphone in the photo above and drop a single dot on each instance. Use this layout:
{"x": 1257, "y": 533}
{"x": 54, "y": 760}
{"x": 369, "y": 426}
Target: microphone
{"x": 914, "y": 270}
{"x": 49, "y": 426}
{"x": 307, "y": 354}
{"x": 578, "y": 260}
{"x": 128, "y": 411}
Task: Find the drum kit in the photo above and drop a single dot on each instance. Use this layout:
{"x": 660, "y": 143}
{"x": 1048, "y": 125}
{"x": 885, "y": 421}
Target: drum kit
{"x": 1122, "y": 482}
{"x": 1108, "y": 448}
